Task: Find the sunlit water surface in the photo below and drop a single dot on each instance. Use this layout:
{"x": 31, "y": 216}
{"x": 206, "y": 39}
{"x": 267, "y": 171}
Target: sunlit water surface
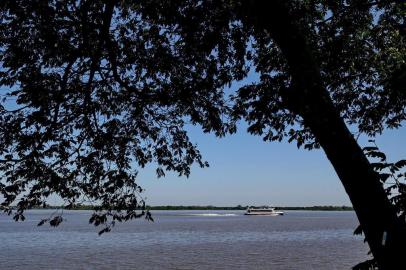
{"x": 185, "y": 240}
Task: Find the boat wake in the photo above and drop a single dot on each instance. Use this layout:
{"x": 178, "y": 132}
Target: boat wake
{"x": 210, "y": 215}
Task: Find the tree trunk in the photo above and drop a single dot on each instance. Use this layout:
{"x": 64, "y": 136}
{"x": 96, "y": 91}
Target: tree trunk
{"x": 309, "y": 99}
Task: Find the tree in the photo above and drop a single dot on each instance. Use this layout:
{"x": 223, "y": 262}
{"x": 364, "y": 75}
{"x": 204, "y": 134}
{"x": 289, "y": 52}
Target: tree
{"x": 393, "y": 176}
{"x": 96, "y": 89}
{"x": 308, "y": 96}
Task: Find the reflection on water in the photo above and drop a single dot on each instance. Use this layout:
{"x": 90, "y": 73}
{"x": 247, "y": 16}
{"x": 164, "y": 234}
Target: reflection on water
{"x": 185, "y": 240}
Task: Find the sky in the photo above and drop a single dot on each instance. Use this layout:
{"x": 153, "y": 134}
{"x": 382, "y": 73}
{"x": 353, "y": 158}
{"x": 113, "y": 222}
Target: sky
{"x": 247, "y": 171}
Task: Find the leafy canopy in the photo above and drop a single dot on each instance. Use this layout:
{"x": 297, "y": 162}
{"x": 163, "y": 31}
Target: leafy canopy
{"x": 92, "y": 91}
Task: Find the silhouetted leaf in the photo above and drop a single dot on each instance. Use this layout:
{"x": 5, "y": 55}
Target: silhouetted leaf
{"x": 358, "y": 230}
{"x": 54, "y": 222}
{"x": 401, "y": 163}
{"x": 107, "y": 229}
{"x": 42, "y": 222}
{"x": 148, "y": 216}
{"x": 376, "y": 154}
{"x": 370, "y": 148}
{"x": 378, "y": 166}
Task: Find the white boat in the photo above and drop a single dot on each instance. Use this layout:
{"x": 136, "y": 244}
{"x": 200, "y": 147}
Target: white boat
{"x": 264, "y": 211}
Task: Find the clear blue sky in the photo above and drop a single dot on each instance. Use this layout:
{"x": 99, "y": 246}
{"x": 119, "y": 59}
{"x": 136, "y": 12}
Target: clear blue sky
{"x": 245, "y": 170}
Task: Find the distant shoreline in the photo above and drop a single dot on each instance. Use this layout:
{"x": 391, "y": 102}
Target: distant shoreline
{"x": 210, "y": 207}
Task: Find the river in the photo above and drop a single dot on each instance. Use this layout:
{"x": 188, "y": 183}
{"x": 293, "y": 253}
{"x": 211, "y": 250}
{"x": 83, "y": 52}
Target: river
{"x": 185, "y": 240}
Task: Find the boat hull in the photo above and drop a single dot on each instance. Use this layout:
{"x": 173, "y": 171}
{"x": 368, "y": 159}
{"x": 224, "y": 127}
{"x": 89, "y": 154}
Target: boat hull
{"x": 264, "y": 214}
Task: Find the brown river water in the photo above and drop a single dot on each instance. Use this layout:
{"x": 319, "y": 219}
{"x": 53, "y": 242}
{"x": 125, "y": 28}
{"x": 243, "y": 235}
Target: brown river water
{"x": 185, "y": 240}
